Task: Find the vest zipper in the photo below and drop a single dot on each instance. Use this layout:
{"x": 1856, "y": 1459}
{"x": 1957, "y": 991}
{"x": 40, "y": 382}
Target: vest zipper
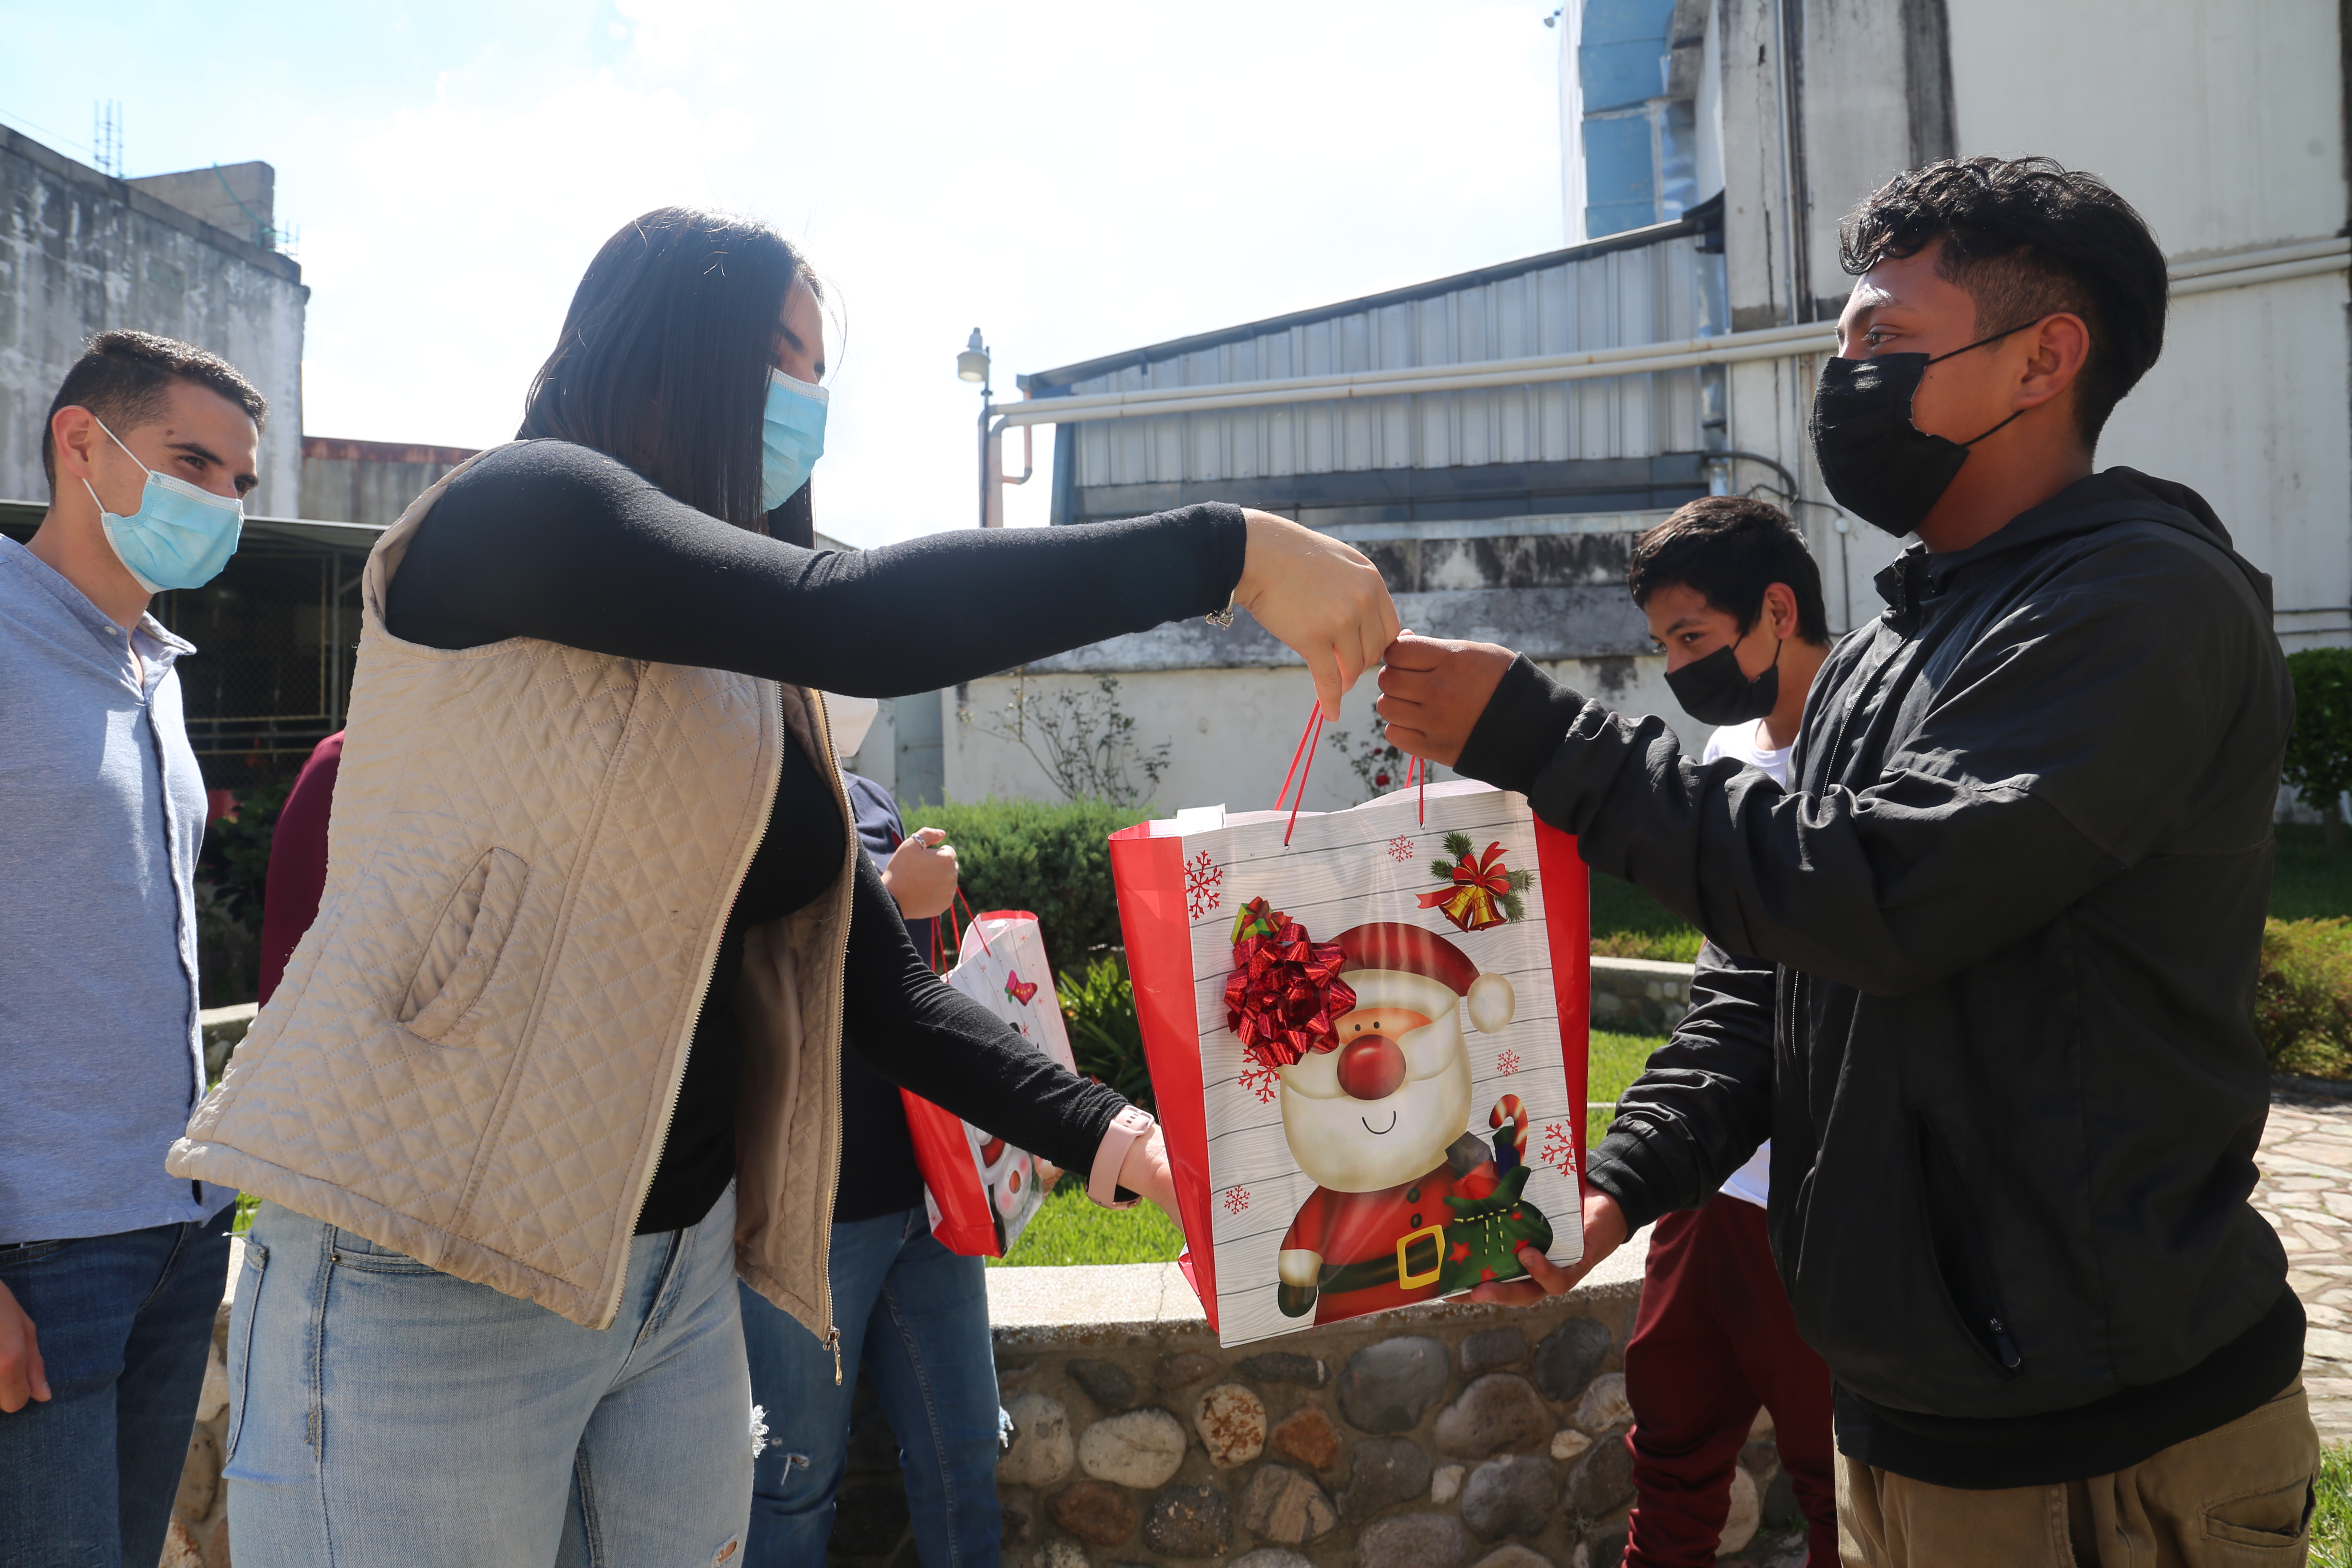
{"x": 694, "y": 1014}
{"x": 840, "y": 1005}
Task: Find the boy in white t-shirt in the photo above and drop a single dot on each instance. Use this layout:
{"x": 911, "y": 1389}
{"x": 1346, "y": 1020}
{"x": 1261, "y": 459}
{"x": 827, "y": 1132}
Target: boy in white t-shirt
{"x": 1734, "y": 598}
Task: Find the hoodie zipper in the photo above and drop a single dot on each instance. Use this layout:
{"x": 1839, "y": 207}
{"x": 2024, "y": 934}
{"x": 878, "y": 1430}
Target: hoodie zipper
{"x": 2010, "y": 1360}
{"x": 694, "y": 1014}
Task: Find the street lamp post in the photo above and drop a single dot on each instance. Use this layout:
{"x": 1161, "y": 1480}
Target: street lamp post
{"x": 973, "y": 365}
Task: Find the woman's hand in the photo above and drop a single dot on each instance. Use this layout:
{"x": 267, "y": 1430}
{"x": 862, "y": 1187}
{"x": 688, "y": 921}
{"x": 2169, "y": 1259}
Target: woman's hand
{"x": 1321, "y": 598}
{"x": 1145, "y": 1171}
{"x": 1605, "y": 1232}
{"x": 921, "y": 876}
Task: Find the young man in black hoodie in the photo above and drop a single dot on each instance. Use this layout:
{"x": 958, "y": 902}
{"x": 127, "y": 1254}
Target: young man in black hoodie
{"x": 2006, "y": 920}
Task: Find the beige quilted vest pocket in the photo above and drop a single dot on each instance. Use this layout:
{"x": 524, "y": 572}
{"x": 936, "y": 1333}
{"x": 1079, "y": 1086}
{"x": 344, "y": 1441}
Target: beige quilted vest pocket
{"x": 474, "y": 1052}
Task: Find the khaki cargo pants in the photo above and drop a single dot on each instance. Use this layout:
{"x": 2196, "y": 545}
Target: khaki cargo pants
{"x": 2239, "y": 1495}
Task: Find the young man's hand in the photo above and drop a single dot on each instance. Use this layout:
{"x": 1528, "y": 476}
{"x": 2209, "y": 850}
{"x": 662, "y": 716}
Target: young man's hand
{"x": 921, "y": 874}
{"x": 1432, "y": 691}
{"x": 21, "y": 1375}
{"x": 1605, "y": 1232}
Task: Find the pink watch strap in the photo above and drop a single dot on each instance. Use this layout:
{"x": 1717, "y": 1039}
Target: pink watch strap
{"x": 1102, "y": 1182}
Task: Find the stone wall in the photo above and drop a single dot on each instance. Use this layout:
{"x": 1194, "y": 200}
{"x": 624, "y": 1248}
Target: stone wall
{"x": 1443, "y": 1436}
{"x": 1639, "y": 995}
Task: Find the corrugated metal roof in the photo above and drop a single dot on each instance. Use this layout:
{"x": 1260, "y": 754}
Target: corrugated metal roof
{"x": 1706, "y": 218}
{"x": 1658, "y": 285}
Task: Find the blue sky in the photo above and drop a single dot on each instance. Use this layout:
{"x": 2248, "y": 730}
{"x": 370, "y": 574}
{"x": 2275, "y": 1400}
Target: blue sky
{"x": 1076, "y": 178}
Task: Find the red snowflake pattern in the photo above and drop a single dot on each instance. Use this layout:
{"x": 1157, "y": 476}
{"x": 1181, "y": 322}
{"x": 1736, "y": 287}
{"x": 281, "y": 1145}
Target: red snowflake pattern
{"x": 1558, "y": 1149}
{"x": 1401, "y": 848}
{"x": 1236, "y": 1200}
{"x": 1261, "y": 1081}
{"x": 1507, "y": 1063}
{"x": 1202, "y": 876}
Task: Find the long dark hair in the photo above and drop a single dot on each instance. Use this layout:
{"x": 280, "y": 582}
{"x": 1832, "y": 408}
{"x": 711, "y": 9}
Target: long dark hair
{"x": 664, "y": 354}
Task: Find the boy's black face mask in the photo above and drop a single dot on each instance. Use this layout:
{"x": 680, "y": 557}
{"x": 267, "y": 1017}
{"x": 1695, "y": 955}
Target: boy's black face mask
{"x": 1716, "y": 690}
{"x": 1881, "y": 467}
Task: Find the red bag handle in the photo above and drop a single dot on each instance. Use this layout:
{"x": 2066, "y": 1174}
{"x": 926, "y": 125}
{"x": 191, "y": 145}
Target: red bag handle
{"x": 1302, "y": 763}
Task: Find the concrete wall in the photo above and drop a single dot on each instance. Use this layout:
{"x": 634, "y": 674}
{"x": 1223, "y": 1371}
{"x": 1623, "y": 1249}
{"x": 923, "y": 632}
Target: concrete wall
{"x": 80, "y": 252}
{"x": 369, "y": 481}
{"x": 241, "y": 198}
{"x": 1234, "y": 731}
{"x": 1230, "y": 704}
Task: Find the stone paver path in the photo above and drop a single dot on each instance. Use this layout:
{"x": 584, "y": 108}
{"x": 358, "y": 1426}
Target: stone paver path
{"x": 2305, "y": 1191}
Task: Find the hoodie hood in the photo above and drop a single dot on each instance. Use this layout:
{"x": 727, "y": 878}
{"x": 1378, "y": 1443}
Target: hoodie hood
{"x": 2112, "y": 496}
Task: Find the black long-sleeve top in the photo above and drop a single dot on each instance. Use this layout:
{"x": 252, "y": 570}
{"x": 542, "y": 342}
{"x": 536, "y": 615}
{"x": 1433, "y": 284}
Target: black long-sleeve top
{"x": 552, "y": 541}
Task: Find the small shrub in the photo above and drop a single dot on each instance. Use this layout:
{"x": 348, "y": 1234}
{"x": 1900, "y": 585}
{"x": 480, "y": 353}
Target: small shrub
{"x": 2319, "y": 752}
{"x": 1050, "y": 858}
{"x": 1099, "y": 1007}
{"x": 1084, "y": 740}
{"x": 2302, "y": 998}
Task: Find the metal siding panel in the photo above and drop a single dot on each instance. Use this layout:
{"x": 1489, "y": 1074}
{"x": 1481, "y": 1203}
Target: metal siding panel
{"x": 1647, "y": 295}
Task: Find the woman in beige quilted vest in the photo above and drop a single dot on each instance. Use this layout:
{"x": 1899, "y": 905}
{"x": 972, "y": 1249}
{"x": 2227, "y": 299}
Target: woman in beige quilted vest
{"x": 558, "y": 1060}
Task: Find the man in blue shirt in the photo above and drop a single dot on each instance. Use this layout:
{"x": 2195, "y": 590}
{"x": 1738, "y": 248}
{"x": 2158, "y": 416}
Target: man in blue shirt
{"x": 110, "y": 1271}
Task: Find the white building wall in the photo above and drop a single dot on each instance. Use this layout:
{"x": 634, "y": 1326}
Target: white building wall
{"x": 1232, "y": 731}
{"x": 2222, "y": 121}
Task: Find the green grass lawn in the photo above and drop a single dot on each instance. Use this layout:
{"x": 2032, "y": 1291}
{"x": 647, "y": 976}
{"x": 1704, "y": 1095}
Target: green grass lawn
{"x": 1071, "y": 1229}
{"x": 1628, "y": 924}
{"x": 2331, "y": 1520}
{"x": 1616, "y": 1061}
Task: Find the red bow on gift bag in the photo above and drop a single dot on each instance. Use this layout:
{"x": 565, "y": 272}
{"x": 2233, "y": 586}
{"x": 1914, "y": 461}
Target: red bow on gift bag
{"x": 1480, "y": 895}
{"x": 1285, "y": 995}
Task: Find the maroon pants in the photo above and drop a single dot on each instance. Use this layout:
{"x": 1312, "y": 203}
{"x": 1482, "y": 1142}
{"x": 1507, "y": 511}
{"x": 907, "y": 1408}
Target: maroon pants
{"x": 1714, "y": 1342}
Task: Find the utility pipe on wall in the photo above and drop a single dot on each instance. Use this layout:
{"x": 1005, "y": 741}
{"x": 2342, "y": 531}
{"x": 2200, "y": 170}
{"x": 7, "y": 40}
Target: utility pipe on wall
{"x": 2272, "y": 265}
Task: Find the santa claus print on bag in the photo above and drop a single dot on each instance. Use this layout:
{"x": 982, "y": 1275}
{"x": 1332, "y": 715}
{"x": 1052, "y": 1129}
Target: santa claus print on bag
{"x": 1385, "y": 1156}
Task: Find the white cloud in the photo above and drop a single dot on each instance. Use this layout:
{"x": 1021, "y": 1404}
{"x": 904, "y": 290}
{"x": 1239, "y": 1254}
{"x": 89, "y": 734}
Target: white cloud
{"x": 1074, "y": 177}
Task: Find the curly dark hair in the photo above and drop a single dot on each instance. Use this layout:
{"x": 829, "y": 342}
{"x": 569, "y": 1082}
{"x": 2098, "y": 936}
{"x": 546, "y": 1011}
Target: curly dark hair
{"x": 1729, "y": 549}
{"x": 2028, "y": 238}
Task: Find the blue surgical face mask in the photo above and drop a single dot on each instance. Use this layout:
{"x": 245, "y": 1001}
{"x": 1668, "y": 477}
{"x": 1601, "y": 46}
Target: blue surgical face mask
{"x": 180, "y": 537}
{"x": 791, "y": 437}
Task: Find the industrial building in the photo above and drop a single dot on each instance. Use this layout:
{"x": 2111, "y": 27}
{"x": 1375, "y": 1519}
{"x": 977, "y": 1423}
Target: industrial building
{"x": 1495, "y": 440}
{"x": 193, "y": 256}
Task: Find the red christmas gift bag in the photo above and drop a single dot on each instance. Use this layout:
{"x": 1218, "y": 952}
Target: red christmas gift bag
{"x": 1366, "y": 1046}
{"x": 980, "y": 1191}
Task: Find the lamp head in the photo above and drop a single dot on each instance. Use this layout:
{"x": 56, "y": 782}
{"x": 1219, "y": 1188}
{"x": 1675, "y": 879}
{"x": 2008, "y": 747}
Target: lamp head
{"x": 972, "y": 364}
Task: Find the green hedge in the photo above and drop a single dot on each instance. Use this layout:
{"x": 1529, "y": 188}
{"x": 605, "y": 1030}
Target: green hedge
{"x": 2302, "y": 998}
{"x": 2319, "y": 752}
{"x": 1047, "y": 857}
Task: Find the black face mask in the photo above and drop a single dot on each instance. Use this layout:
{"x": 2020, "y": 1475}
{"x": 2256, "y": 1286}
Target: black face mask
{"x": 1714, "y": 689}
{"x": 1881, "y": 467}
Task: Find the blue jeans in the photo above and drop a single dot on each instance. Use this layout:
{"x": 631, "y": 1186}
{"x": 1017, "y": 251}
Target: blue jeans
{"x": 123, "y": 1322}
{"x": 917, "y": 1316}
{"x": 384, "y": 1412}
